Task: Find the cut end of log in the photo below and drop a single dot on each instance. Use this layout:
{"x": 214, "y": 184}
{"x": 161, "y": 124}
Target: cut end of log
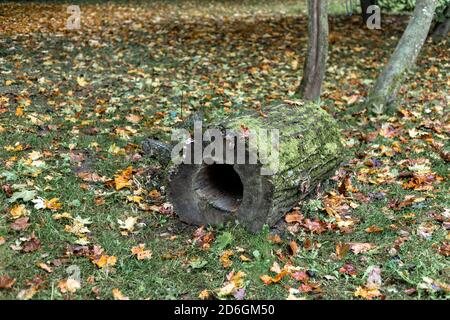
{"x": 219, "y": 185}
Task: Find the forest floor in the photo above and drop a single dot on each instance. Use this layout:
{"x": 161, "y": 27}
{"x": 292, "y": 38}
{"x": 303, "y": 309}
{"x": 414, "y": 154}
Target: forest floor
{"x": 83, "y": 214}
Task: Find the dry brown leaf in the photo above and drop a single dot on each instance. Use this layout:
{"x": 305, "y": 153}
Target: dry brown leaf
{"x": 341, "y": 250}
{"x": 45, "y": 267}
{"x": 69, "y": 285}
{"x": 225, "y": 258}
{"x": 6, "y": 282}
{"x": 373, "y": 229}
{"x": 293, "y": 217}
{"x": 140, "y": 252}
{"x": 359, "y": 247}
{"x": 20, "y": 224}
{"x": 294, "y": 247}
{"x": 118, "y": 295}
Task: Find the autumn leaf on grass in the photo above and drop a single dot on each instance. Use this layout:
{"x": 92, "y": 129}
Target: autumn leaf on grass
{"x": 6, "y": 282}
{"x": 225, "y": 258}
{"x": 294, "y": 216}
{"x": 140, "y": 252}
{"x": 367, "y": 293}
{"x": 25, "y": 195}
{"x": 433, "y": 286}
{"x": 204, "y": 295}
{"x": 444, "y": 249}
{"x": 53, "y": 204}
{"x": 133, "y": 118}
{"x": 294, "y": 248}
{"x": 45, "y": 267}
{"x": 202, "y": 238}
{"x": 154, "y": 194}
{"x": 79, "y": 228}
{"x": 269, "y": 280}
{"x": 372, "y": 288}
{"x": 17, "y": 147}
{"x": 315, "y": 226}
{"x": 89, "y": 176}
{"x": 81, "y": 81}
{"x": 64, "y": 215}
{"x": 234, "y": 283}
{"x": 27, "y": 294}
{"x": 358, "y": 247}
{"x": 69, "y": 285}
{"x": 118, "y": 295}
{"x": 275, "y": 267}
{"x": 346, "y": 186}
{"x": 105, "y": 261}
{"x": 19, "y": 211}
{"x": 348, "y": 269}
{"x": 123, "y": 178}
{"x": 300, "y": 276}
{"x": 341, "y": 250}
{"x": 127, "y": 225}
{"x": 32, "y": 244}
{"x": 20, "y": 224}
{"x": 373, "y": 277}
{"x": 373, "y": 229}
{"x": 2, "y": 240}
{"x": 135, "y": 199}
{"x": 281, "y": 273}
{"x": 275, "y": 238}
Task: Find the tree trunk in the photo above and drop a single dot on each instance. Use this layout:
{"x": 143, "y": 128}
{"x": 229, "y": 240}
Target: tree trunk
{"x": 404, "y": 56}
{"x": 309, "y": 152}
{"x": 316, "y": 59}
{"x": 365, "y": 4}
{"x": 441, "y": 29}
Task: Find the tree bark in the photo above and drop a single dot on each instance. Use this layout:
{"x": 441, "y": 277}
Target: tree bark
{"x": 404, "y": 56}
{"x": 442, "y": 29}
{"x": 315, "y": 64}
{"x": 365, "y": 4}
{"x": 309, "y": 151}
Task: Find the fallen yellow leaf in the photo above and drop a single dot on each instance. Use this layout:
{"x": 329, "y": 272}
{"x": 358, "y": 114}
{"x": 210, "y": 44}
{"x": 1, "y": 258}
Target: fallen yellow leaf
{"x": 69, "y": 285}
{"x": 105, "y": 261}
{"x": 123, "y": 179}
{"x": 140, "y": 252}
{"x": 19, "y": 211}
{"x": 118, "y": 295}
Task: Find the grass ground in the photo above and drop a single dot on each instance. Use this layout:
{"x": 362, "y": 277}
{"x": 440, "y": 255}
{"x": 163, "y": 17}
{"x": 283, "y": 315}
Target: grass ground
{"x": 75, "y": 105}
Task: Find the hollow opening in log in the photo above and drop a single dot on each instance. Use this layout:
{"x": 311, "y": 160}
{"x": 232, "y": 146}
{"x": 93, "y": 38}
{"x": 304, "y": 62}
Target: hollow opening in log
{"x": 220, "y": 186}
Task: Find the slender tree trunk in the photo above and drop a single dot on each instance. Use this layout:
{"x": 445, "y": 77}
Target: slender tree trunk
{"x": 442, "y": 28}
{"x": 315, "y": 64}
{"x": 404, "y": 56}
{"x": 365, "y": 4}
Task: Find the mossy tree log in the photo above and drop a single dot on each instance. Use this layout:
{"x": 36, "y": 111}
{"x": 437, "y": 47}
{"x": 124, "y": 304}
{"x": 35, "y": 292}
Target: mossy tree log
{"x": 404, "y": 56}
{"x": 309, "y": 150}
{"x": 316, "y": 58}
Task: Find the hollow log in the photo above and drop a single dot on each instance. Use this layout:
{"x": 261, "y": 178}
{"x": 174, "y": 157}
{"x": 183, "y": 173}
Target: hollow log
{"x": 221, "y": 188}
